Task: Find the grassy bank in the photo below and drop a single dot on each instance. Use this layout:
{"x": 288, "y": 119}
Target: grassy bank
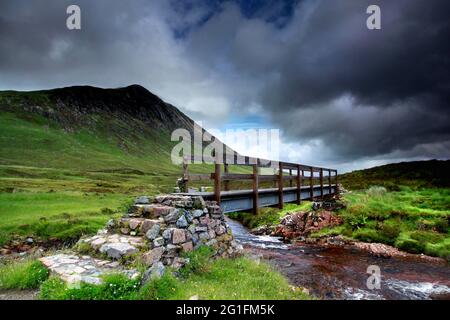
{"x": 60, "y": 216}
{"x": 415, "y": 221}
{"x": 268, "y": 216}
{"x": 239, "y": 278}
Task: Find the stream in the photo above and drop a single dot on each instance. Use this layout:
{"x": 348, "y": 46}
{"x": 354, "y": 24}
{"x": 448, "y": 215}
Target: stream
{"x": 341, "y": 273}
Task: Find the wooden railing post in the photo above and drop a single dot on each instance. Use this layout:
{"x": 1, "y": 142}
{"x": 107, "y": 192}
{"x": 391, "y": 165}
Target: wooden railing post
{"x": 226, "y": 183}
{"x": 217, "y": 182}
{"x": 299, "y": 185}
{"x": 311, "y": 187}
{"x": 290, "y": 178}
{"x": 280, "y": 186}
{"x": 255, "y": 190}
{"x": 185, "y": 175}
{"x": 330, "y": 191}
{"x": 336, "y": 191}
{"x": 321, "y": 184}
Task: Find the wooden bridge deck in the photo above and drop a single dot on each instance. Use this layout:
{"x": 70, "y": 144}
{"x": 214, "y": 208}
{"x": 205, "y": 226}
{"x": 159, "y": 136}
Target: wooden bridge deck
{"x": 242, "y": 200}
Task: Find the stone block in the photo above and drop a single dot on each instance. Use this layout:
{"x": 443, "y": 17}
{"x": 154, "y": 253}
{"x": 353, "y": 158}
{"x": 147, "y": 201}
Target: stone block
{"x": 178, "y": 236}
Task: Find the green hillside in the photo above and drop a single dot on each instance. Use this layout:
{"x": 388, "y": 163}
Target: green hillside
{"x": 416, "y": 174}
{"x": 71, "y": 157}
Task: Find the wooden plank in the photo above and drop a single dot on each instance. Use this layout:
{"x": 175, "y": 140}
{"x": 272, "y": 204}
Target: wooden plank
{"x": 217, "y": 182}
{"x": 290, "y": 178}
{"x": 280, "y": 186}
{"x": 226, "y": 183}
{"x": 200, "y": 177}
{"x": 236, "y": 176}
{"x": 299, "y": 185}
{"x": 321, "y": 184}
{"x": 311, "y": 187}
{"x": 255, "y": 190}
{"x": 268, "y": 177}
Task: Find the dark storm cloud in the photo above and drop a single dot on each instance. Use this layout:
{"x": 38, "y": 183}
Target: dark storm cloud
{"x": 398, "y": 78}
{"x": 339, "y": 91}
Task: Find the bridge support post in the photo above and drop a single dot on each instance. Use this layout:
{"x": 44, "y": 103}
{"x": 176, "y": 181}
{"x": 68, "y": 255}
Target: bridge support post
{"x": 255, "y": 189}
{"x": 329, "y": 183}
{"x": 321, "y": 184}
{"x": 185, "y": 175}
{"x": 311, "y": 186}
{"x": 217, "y": 183}
{"x": 280, "y": 186}
{"x": 226, "y": 183}
{"x": 299, "y": 185}
{"x": 336, "y": 191}
{"x": 290, "y": 178}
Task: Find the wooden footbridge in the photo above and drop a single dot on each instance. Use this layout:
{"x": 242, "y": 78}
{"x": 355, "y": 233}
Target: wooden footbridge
{"x": 294, "y": 183}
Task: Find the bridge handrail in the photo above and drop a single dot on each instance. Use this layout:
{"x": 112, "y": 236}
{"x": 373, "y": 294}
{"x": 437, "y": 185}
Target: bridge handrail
{"x": 256, "y": 177}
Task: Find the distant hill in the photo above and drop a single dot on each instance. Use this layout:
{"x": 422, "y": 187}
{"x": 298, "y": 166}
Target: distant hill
{"x": 85, "y": 127}
{"x": 416, "y": 174}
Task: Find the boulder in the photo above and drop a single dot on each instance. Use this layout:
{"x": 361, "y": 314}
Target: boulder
{"x": 134, "y": 223}
{"x": 167, "y": 234}
{"x": 220, "y": 229}
{"x": 156, "y": 271}
{"x": 179, "y": 262}
{"x": 158, "y": 242}
{"x": 197, "y": 213}
{"x": 182, "y": 222}
{"x": 147, "y": 224}
{"x": 152, "y": 256}
{"x": 153, "y": 233}
{"x": 142, "y": 200}
{"x": 203, "y": 236}
{"x": 187, "y": 246}
{"x": 172, "y": 216}
{"x": 117, "y": 250}
{"x": 178, "y": 236}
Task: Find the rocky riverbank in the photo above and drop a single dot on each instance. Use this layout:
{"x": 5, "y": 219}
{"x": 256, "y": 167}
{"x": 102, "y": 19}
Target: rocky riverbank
{"x": 302, "y": 228}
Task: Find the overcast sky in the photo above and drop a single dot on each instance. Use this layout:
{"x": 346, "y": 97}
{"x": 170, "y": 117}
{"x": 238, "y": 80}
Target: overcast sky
{"x": 343, "y": 96}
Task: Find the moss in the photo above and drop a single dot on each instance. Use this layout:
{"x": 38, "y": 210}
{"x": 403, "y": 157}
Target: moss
{"x": 268, "y": 216}
{"x": 410, "y": 245}
{"x": 425, "y": 237}
{"x": 368, "y": 235}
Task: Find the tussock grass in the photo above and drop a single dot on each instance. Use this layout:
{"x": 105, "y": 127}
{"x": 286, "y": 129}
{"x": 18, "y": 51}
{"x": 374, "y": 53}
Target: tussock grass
{"x": 239, "y": 278}
{"x": 415, "y": 221}
{"x": 28, "y": 274}
{"x": 268, "y": 216}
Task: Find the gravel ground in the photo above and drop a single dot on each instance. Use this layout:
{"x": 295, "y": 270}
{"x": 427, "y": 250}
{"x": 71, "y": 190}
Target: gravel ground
{"x": 18, "y": 294}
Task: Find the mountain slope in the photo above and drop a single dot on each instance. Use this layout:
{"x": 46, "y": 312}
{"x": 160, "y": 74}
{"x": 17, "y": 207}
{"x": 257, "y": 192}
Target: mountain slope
{"x": 416, "y": 174}
{"x": 84, "y": 126}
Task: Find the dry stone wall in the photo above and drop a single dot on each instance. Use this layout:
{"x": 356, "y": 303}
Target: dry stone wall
{"x": 158, "y": 230}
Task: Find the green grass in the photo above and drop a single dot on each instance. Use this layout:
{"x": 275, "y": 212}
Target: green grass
{"x": 239, "y": 278}
{"x": 59, "y": 216}
{"x": 268, "y": 216}
{"x": 55, "y": 182}
{"x": 416, "y": 221}
{"x": 27, "y": 274}
{"x": 415, "y": 175}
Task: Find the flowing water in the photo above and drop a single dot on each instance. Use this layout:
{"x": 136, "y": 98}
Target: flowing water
{"x": 341, "y": 273}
